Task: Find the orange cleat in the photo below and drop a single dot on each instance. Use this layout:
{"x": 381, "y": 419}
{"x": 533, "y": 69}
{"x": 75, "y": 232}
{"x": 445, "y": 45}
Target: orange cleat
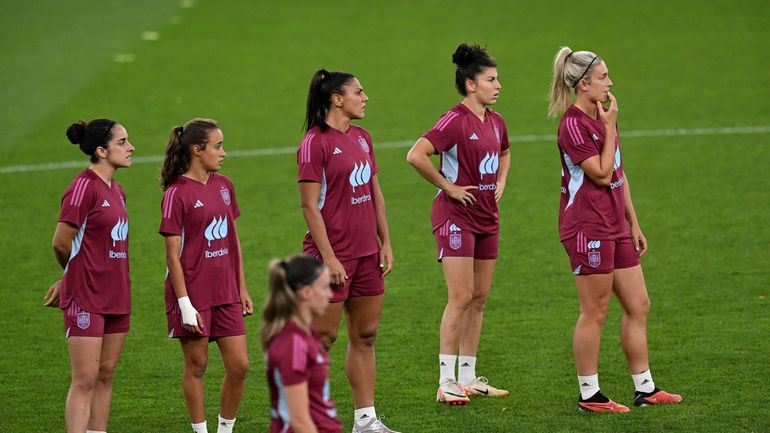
{"x": 657, "y": 396}
{"x": 599, "y": 403}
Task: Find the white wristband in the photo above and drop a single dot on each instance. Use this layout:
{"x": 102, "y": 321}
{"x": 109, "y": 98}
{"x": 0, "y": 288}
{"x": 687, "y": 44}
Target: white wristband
{"x": 189, "y": 312}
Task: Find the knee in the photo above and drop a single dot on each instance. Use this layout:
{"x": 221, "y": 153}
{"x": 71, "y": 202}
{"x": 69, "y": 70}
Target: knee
{"x": 478, "y": 302}
{"x": 107, "y": 371}
{"x": 364, "y": 338}
{"x": 596, "y": 314}
{"x": 84, "y": 383}
{"x": 239, "y": 369}
{"x": 327, "y": 340}
{"x": 640, "y": 309}
{"x": 196, "y": 368}
{"x": 461, "y": 301}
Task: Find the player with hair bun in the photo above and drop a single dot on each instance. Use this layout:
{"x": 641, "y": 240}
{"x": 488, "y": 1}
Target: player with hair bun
{"x": 599, "y": 229}
{"x": 297, "y": 365}
{"x": 472, "y": 141}
{"x": 347, "y": 225}
{"x": 91, "y": 245}
{"x": 206, "y": 296}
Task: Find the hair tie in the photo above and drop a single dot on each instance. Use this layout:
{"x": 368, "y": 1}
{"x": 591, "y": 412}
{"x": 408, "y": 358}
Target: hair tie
{"x": 107, "y": 131}
{"x": 575, "y": 83}
{"x": 179, "y": 131}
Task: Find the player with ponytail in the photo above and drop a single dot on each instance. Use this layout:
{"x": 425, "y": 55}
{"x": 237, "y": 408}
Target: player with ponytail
{"x": 599, "y": 229}
{"x": 347, "y": 225}
{"x": 297, "y": 364}
{"x": 206, "y": 295}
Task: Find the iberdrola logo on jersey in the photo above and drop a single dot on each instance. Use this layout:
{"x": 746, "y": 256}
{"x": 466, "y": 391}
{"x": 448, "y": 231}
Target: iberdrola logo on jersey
{"x": 360, "y": 175}
{"x": 489, "y": 164}
{"x": 217, "y": 229}
{"x": 120, "y": 231}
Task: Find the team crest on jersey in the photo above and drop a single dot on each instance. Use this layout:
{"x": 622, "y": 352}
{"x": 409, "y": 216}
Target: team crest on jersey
{"x": 363, "y": 143}
{"x": 497, "y": 133}
{"x": 225, "y": 195}
{"x": 594, "y": 258}
{"x": 455, "y": 241}
{"x": 84, "y": 320}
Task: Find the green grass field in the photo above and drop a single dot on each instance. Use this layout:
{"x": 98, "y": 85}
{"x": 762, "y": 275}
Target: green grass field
{"x": 693, "y": 85}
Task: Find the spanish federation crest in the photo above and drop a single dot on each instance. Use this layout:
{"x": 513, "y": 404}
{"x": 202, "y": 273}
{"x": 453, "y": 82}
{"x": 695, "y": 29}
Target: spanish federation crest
{"x": 497, "y": 134}
{"x": 84, "y": 319}
{"x": 455, "y": 241}
{"x": 225, "y": 195}
{"x": 363, "y": 143}
{"x": 594, "y": 258}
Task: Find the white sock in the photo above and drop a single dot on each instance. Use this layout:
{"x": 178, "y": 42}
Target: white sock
{"x": 199, "y": 427}
{"x": 225, "y": 425}
{"x": 95, "y": 431}
{"x": 364, "y": 415}
{"x": 589, "y": 385}
{"x": 446, "y": 367}
{"x": 643, "y": 381}
{"x": 466, "y": 372}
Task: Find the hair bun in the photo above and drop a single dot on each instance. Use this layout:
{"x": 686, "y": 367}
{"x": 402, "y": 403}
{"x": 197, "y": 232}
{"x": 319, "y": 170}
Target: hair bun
{"x": 76, "y": 132}
{"x": 465, "y": 54}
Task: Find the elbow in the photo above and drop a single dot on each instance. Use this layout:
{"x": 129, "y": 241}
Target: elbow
{"x": 412, "y": 157}
{"x": 604, "y": 181}
{"x": 61, "y": 249}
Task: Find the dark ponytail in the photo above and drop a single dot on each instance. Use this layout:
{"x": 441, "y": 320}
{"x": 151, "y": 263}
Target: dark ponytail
{"x": 322, "y": 86}
{"x": 470, "y": 61}
{"x": 91, "y": 135}
{"x": 284, "y": 279}
{"x": 180, "y": 142}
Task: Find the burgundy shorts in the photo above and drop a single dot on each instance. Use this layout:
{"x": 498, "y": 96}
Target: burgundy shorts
{"x": 364, "y": 279}
{"x": 462, "y": 243}
{"x": 81, "y": 323}
{"x": 599, "y": 256}
{"x": 218, "y": 321}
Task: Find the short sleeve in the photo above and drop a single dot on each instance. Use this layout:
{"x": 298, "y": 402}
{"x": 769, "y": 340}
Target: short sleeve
{"x": 575, "y": 140}
{"x": 445, "y": 132}
{"x": 310, "y": 158}
{"x": 172, "y": 209}
{"x": 233, "y": 200}
{"x": 369, "y": 141}
{"x": 505, "y": 143}
{"x": 292, "y": 361}
{"x": 77, "y": 201}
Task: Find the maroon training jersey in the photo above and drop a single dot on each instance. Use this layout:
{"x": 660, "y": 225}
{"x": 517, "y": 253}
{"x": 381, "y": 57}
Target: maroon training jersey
{"x": 96, "y": 277}
{"x": 470, "y": 155}
{"x": 295, "y": 356}
{"x": 597, "y": 211}
{"x": 344, "y": 164}
{"x": 204, "y": 216}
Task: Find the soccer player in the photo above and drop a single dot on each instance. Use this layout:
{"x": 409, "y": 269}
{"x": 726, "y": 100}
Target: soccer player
{"x": 91, "y": 244}
{"x": 599, "y": 229}
{"x": 297, "y": 364}
{"x": 206, "y": 296}
{"x": 347, "y": 227}
{"x": 473, "y": 143}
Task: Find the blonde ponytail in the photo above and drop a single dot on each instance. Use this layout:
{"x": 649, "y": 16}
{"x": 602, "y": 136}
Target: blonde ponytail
{"x": 568, "y": 69}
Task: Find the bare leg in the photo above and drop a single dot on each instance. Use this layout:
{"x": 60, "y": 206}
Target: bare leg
{"x": 236, "y": 360}
{"x": 196, "y": 353}
{"x": 363, "y": 317}
{"x": 458, "y": 273}
{"x": 594, "y": 292}
{"x": 112, "y": 345}
{"x": 632, "y": 294}
{"x": 470, "y": 331}
{"x": 327, "y": 325}
{"x": 85, "y": 357}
